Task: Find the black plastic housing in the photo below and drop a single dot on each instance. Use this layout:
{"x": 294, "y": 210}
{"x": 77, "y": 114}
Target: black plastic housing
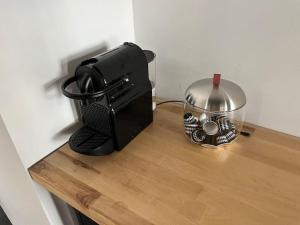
{"x": 115, "y": 95}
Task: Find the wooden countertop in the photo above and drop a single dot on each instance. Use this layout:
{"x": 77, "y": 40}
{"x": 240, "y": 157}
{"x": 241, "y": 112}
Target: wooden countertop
{"x": 162, "y": 179}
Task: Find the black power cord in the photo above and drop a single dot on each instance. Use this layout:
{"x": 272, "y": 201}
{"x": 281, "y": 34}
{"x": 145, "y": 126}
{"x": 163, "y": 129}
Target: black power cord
{"x": 172, "y": 101}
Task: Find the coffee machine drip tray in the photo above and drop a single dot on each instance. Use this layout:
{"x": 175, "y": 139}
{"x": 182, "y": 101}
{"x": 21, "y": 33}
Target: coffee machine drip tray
{"x": 95, "y": 137}
{"x": 89, "y": 141}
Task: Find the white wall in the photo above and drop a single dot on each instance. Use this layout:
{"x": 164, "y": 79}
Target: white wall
{"x": 39, "y": 42}
{"x": 253, "y": 43}
{"x": 17, "y": 195}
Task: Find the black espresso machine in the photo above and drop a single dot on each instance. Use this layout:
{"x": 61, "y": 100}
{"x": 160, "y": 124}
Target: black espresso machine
{"x": 115, "y": 99}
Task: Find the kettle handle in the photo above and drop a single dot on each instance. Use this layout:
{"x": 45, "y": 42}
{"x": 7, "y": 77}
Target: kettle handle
{"x": 85, "y": 96}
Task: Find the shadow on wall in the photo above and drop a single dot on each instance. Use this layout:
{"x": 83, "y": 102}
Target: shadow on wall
{"x": 3, "y": 218}
{"x": 66, "y": 212}
{"x": 68, "y": 67}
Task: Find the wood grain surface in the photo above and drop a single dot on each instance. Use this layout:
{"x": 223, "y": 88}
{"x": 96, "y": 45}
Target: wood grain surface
{"x": 161, "y": 178}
